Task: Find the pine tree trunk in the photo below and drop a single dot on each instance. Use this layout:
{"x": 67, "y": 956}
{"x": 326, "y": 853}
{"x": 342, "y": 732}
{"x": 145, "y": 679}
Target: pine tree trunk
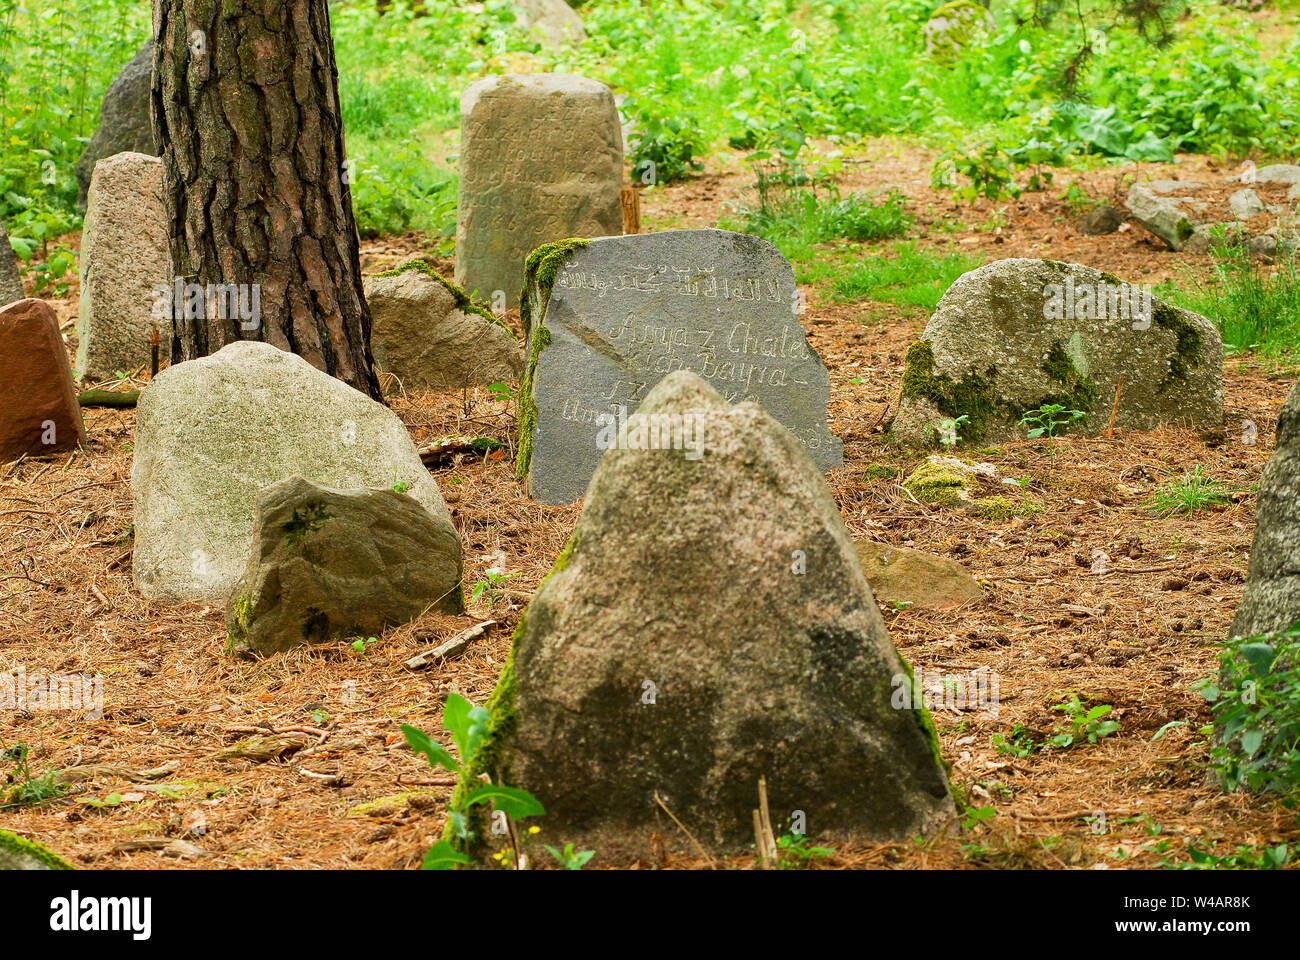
{"x": 246, "y": 112}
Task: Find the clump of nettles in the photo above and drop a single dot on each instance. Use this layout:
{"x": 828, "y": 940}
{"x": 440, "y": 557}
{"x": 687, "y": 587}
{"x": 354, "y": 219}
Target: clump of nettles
{"x": 1256, "y": 705}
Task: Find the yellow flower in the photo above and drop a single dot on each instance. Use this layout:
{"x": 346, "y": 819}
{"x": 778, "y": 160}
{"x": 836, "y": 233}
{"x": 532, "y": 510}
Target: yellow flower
{"x": 534, "y": 829}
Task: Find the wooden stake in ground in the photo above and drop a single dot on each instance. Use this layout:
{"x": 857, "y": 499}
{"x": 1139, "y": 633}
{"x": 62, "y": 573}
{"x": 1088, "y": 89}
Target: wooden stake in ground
{"x": 1119, "y": 385}
{"x": 764, "y": 839}
{"x": 630, "y": 197}
{"x": 245, "y": 109}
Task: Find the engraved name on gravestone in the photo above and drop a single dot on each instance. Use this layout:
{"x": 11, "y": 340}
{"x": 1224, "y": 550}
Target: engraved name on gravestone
{"x": 623, "y": 312}
{"x": 541, "y": 159}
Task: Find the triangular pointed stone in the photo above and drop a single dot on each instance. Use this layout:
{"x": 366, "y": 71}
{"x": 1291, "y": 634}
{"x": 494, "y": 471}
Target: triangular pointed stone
{"x": 709, "y": 625}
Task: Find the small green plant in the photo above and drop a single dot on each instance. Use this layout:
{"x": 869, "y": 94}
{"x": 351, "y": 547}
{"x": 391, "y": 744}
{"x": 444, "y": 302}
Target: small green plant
{"x": 1019, "y": 744}
{"x": 501, "y": 391}
{"x": 360, "y": 645}
{"x": 1077, "y": 200}
{"x": 988, "y": 173}
{"x": 401, "y": 486}
{"x": 1086, "y": 723}
{"x": 569, "y": 858}
{"x": 1243, "y": 858}
{"x": 1255, "y": 701}
{"x": 664, "y": 151}
{"x": 1047, "y": 420}
{"x": 977, "y": 815}
{"x": 487, "y": 587}
{"x": 468, "y": 726}
{"x": 947, "y": 431}
{"x": 27, "y": 789}
{"x": 795, "y": 853}
{"x": 1196, "y": 491}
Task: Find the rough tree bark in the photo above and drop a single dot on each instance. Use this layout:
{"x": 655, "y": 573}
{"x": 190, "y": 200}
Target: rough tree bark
{"x": 246, "y": 112}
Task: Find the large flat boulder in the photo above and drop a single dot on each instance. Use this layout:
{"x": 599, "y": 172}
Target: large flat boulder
{"x": 1016, "y": 335}
{"x": 707, "y": 625}
{"x": 211, "y": 433}
{"x": 327, "y": 564}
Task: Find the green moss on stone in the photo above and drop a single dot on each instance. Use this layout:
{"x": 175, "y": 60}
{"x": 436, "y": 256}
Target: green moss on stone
{"x": 239, "y": 624}
{"x": 540, "y": 270}
{"x": 1184, "y": 230}
{"x": 971, "y": 396}
{"x": 1004, "y": 508}
{"x": 16, "y": 846}
{"x": 464, "y": 302}
{"x": 926, "y": 722}
{"x": 1187, "y": 348}
{"x": 939, "y": 484}
{"x": 502, "y": 722}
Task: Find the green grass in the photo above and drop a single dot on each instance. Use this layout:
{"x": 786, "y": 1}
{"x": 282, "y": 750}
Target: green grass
{"x": 911, "y": 277}
{"x": 795, "y": 219}
{"x": 1255, "y": 304}
{"x": 1196, "y": 491}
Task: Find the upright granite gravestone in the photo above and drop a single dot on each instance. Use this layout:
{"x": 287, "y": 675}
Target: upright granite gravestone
{"x": 541, "y": 159}
{"x": 124, "y": 259}
{"x": 1272, "y": 597}
{"x": 607, "y": 319}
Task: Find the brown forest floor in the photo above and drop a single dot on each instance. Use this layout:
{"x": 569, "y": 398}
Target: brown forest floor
{"x": 1136, "y": 637}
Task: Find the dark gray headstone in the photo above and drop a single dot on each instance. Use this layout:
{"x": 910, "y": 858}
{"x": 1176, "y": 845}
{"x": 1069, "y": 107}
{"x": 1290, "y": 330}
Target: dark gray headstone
{"x": 1272, "y": 597}
{"x": 620, "y": 313}
{"x": 11, "y": 284}
{"x": 124, "y": 125}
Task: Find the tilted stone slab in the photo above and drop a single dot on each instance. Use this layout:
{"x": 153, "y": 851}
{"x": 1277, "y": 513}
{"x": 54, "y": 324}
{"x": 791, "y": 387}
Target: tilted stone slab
{"x": 608, "y": 320}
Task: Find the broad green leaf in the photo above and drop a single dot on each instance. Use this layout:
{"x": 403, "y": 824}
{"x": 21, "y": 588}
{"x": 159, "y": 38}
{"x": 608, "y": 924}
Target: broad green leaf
{"x": 421, "y": 742}
{"x": 516, "y": 803}
{"x": 441, "y": 856}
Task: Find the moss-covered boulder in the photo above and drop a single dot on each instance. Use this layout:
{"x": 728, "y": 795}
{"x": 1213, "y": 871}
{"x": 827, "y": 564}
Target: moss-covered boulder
{"x": 430, "y": 335}
{"x": 20, "y": 853}
{"x": 329, "y": 564}
{"x": 708, "y": 625}
{"x": 1018, "y": 335}
{"x": 976, "y": 488}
